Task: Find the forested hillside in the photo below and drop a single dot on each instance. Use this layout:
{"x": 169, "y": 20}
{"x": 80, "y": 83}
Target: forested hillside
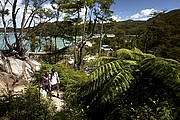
{"x": 159, "y": 35}
{"x": 162, "y": 35}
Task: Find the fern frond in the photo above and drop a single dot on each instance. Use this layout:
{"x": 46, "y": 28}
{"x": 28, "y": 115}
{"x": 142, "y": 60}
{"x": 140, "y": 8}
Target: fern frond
{"x": 124, "y": 54}
{"x": 136, "y": 50}
{"x": 100, "y": 61}
{"x": 116, "y": 85}
{"x": 109, "y": 80}
{"x": 166, "y": 71}
{"x": 134, "y": 54}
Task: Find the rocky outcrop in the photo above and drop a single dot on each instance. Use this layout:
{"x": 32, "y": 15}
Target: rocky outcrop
{"x": 16, "y": 73}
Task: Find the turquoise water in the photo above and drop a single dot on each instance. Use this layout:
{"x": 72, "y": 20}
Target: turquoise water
{"x": 11, "y": 39}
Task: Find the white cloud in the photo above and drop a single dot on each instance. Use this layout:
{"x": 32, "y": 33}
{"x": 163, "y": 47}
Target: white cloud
{"x": 116, "y": 18}
{"x": 136, "y": 16}
{"x": 147, "y": 12}
{"x": 144, "y": 14}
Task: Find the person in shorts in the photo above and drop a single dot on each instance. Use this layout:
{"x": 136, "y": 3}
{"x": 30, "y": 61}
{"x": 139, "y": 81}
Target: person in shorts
{"x": 54, "y": 81}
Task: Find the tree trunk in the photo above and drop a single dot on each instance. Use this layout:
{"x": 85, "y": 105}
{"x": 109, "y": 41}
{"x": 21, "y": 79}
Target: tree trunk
{"x": 101, "y": 38}
{"x": 14, "y": 13}
{"x": 82, "y": 41}
{"x": 3, "y": 7}
{"x": 49, "y": 53}
{"x": 75, "y": 42}
{"x": 5, "y": 34}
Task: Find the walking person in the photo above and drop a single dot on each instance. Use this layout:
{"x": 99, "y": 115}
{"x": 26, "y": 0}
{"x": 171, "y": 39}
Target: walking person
{"x": 54, "y": 81}
{"x": 46, "y": 83}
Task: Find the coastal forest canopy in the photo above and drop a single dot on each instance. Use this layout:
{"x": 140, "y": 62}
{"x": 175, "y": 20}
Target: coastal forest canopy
{"x": 156, "y": 35}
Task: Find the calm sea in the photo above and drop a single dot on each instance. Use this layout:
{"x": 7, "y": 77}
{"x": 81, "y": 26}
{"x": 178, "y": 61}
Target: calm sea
{"x": 11, "y": 39}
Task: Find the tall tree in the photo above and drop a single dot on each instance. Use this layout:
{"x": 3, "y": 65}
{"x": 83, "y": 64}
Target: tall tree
{"x": 103, "y": 14}
{"x": 31, "y": 8}
{"x": 26, "y": 21}
{"x": 74, "y": 10}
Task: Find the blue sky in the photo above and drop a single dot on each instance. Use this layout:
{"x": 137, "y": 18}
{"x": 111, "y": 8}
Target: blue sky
{"x": 139, "y": 9}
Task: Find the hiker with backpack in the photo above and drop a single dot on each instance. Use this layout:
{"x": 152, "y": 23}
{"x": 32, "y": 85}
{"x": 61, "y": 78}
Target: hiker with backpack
{"x": 54, "y": 81}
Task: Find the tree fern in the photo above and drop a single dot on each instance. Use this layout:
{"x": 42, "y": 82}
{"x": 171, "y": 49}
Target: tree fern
{"x": 134, "y": 54}
{"x": 132, "y": 71}
{"x": 166, "y": 71}
{"x": 107, "y": 81}
{"x": 100, "y": 61}
{"x": 124, "y": 54}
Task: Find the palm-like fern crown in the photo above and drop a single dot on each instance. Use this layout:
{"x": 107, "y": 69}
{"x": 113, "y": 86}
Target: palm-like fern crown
{"x": 115, "y": 75}
{"x": 134, "y": 54}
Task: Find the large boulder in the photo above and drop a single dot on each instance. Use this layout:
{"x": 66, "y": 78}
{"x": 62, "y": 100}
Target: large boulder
{"x": 16, "y": 73}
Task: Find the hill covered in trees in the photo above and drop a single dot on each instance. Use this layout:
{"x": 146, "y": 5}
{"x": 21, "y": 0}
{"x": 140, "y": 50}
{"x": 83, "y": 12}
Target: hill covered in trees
{"x": 162, "y": 35}
{"x": 159, "y": 35}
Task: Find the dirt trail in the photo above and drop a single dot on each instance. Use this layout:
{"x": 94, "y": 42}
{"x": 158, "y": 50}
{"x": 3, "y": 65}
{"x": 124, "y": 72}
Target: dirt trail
{"x": 59, "y": 102}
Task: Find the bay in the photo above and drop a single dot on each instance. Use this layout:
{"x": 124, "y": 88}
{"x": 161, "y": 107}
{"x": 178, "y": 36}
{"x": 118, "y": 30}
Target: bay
{"x": 26, "y": 43}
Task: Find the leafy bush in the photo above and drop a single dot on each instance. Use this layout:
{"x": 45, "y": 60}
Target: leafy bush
{"x": 67, "y": 75}
{"x": 133, "y": 85}
{"x": 27, "y": 106}
{"x": 70, "y": 82}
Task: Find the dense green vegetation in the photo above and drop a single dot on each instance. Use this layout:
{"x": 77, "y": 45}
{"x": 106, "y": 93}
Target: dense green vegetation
{"x": 31, "y": 105}
{"x": 26, "y": 106}
{"x": 158, "y": 35}
{"x": 130, "y": 85}
{"x": 139, "y": 80}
